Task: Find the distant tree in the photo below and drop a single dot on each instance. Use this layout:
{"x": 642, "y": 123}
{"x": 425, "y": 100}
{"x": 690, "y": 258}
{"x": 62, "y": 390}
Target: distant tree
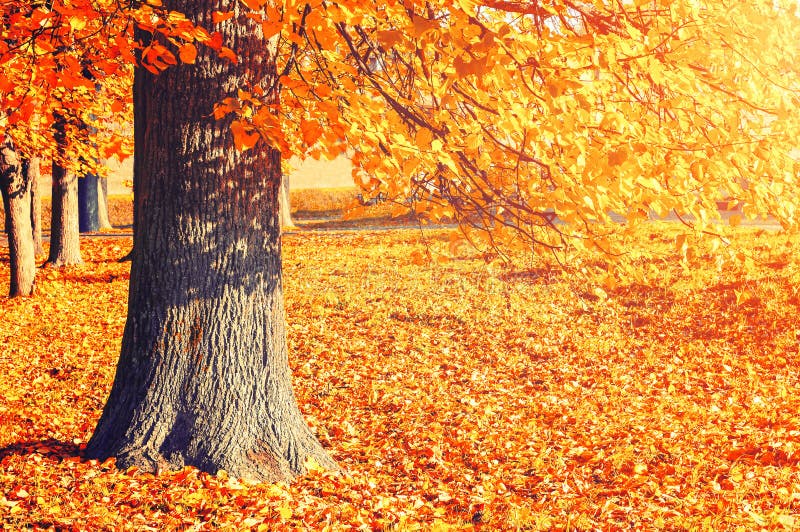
{"x": 33, "y": 168}
{"x": 88, "y": 203}
{"x": 102, "y": 204}
{"x": 285, "y": 204}
{"x": 65, "y": 248}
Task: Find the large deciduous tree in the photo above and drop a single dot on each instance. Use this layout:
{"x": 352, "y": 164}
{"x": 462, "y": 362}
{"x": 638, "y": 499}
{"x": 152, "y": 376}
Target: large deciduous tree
{"x": 203, "y": 378}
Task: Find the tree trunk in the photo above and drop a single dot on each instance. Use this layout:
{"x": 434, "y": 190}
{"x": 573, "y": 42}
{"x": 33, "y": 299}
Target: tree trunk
{"x": 17, "y": 203}
{"x": 34, "y": 174}
{"x": 4, "y": 192}
{"x": 88, "y": 194}
{"x": 285, "y": 205}
{"x": 203, "y": 378}
{"x": 65, "y": 247}
{"x": 102, "y": 205}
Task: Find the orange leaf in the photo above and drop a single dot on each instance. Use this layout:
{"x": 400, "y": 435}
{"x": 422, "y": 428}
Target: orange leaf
{"x": 311, "y": 131}
{"x": 255, "y": 5}
{"x": 229, "y": 54}
{"x": 221, "y": 16}
{"x": 244, "y": 137}
{"x": 187, "y": 53}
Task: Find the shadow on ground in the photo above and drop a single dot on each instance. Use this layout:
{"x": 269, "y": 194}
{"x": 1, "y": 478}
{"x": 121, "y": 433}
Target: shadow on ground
{"x": 50, "y": 448}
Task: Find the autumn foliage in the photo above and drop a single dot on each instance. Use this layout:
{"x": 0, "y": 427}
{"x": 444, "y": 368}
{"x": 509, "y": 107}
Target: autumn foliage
{"x": 501, "y": 114}
{"x": 453, "y": 394}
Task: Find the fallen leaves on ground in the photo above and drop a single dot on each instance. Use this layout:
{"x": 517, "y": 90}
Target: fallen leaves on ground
{"x": 453, "y": 395}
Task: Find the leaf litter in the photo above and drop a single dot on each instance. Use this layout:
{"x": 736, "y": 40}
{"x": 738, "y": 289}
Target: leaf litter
{"x": 454, "y": 395}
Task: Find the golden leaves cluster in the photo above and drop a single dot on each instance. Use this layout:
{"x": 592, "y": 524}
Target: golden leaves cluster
{"x": 502, "y": 114}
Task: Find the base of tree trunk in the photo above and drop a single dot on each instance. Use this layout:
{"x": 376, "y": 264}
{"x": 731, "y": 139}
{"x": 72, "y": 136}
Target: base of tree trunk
{"x": 248, "y": 458}
{"x": 205, "y": 384}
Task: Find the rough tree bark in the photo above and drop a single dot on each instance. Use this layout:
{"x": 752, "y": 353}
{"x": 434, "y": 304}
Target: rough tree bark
{"x": 65, "y": 246}
{"x": 17, "y": 203}
{"x": 34, "y": 169}
{"x": 203, "y": 378}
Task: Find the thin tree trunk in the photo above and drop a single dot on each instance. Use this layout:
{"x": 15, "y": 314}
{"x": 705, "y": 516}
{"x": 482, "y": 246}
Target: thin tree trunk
{"x": 285, "y": 205}
{"x": 203, "y": 378}
{"x": 6, "y": 211}
{"x": 88, "y": 194}
{"x": 34, "y": 174}
{"x": 102, "y": 205}
{"x": 65, "y": 247}
{"x": 17, "y": 202}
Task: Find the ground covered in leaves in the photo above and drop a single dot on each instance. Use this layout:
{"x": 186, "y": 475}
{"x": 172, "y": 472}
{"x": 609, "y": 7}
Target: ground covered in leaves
{"x": 453, "y": 394}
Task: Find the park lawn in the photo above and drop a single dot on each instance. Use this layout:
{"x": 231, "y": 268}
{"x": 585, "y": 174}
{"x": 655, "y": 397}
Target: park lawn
{"x": 323, "y": 205}
{"x": 453, "y": 394}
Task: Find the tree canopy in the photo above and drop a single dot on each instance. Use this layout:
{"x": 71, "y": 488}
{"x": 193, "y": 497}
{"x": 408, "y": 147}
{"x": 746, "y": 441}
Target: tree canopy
{"x": 501, "y": 114}
{"x": 63, "y": 61}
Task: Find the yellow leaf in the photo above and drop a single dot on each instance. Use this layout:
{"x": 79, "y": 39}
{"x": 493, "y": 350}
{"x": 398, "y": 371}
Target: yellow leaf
{"x": 423, "y": 138}
{"x": 77, "y": 24}
{"x": 311, "y": 463}
{"x": 599, "y": 292}
{"x": 742, "y": 296}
